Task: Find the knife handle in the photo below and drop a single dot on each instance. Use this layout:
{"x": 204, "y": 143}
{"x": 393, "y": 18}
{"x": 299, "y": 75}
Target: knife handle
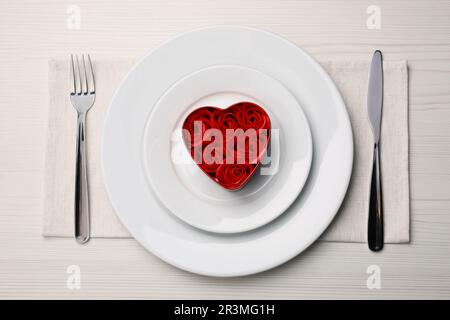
{"x": 375, "y": 227}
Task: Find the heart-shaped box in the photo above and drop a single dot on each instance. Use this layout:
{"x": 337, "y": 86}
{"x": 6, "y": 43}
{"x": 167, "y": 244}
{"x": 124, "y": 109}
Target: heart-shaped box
{"x": 228, "y": 144}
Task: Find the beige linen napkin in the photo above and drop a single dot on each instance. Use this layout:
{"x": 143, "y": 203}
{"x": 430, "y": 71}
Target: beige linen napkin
{"x": 350, "y": 223}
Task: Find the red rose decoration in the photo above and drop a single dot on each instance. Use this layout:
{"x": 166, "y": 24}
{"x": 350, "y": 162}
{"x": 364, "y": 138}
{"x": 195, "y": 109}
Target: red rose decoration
{"x": 233, "y": 176}
{"x": 228, "y": 144}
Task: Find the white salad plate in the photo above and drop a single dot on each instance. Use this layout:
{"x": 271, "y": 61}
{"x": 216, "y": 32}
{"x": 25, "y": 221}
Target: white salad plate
{"x": 181, "y": 244}
{"x": 187, "y": 191}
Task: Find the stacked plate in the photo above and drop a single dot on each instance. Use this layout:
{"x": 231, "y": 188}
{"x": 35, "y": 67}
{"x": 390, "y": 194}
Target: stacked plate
{"x": 171, "y": 207}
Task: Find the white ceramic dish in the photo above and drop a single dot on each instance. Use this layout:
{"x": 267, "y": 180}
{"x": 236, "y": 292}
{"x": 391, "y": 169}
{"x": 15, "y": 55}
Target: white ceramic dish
{"x": 185, "y": 189}
{"x": 245, "y": 253}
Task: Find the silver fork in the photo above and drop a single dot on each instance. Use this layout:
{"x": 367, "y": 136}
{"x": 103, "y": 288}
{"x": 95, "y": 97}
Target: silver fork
{"x": 82, "y": 97}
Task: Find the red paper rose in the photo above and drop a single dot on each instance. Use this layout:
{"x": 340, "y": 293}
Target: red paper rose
{"x": 233, "y": 176}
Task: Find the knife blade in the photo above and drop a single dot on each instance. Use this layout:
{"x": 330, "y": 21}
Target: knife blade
{"x": 375, "y": 94}
{"x": 374, "y": 108}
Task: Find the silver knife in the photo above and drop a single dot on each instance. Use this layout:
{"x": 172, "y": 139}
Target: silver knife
{"x": 375, "y": 106}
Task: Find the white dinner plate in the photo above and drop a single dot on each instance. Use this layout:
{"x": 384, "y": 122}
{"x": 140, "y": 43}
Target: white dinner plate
{"x": 200, "y": 201}
{"x": 209, "y": 253}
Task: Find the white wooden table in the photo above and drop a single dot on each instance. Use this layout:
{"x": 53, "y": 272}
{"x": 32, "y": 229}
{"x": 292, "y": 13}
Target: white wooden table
{"x": 32, "y": 31}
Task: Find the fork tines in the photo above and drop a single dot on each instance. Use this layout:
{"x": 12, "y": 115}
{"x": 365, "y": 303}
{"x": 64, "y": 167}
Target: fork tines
{"x": 82, "y": 76}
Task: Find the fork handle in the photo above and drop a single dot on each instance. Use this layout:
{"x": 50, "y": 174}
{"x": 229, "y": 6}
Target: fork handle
{"x": 82, "y": 216}
{"x": 375, "y": 227}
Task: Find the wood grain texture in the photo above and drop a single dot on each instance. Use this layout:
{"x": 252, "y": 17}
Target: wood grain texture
{"x": 33, "y": 31}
